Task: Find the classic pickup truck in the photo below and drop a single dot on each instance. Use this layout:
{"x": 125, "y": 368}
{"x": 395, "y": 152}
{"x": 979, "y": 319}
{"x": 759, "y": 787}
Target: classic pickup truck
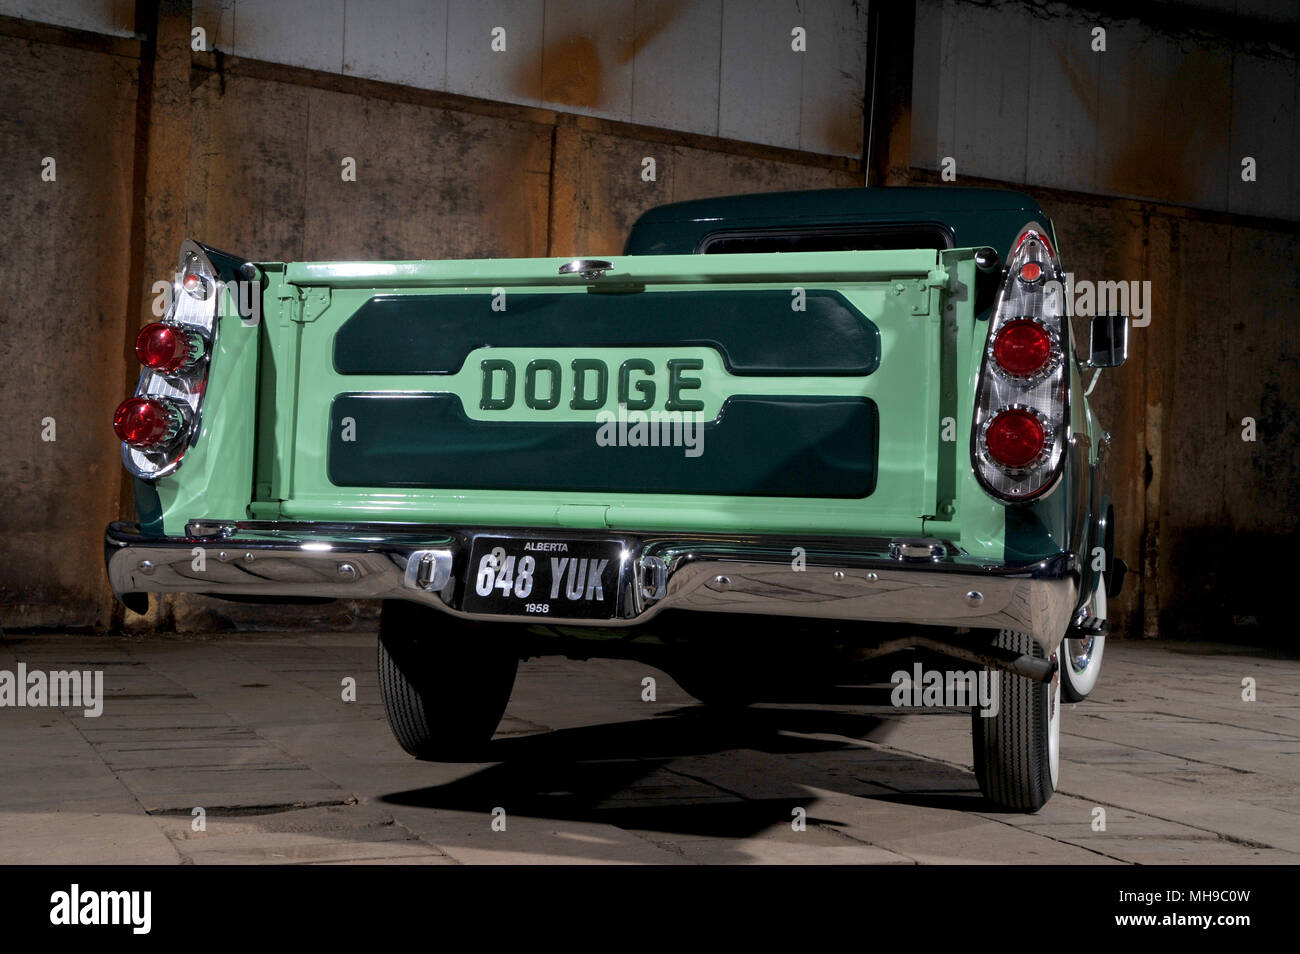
{"x": 778, "y": 432}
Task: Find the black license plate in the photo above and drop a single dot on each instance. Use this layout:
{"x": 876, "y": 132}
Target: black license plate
{"x": 539, "y": 577}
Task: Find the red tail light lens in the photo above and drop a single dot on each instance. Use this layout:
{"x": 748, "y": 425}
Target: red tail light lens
{"x": 1022, "y": 347}
{"x": 145, "y": 422}
{"x": 164, "y": 348}
{"x": 1016, "y": 438}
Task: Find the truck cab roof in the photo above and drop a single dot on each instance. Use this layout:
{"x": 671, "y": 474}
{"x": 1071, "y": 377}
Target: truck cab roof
{"x": 822, "y": 219}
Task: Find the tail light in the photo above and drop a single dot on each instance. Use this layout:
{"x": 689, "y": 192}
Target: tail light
{"x": 159, "y": 423}
{"x": 167, "y": 348}
{"x": 1016, "y": 438}
{"x": 1023, "y": 348}
{"x": 148, "y": 422}
{"x": 1021, "y": 409}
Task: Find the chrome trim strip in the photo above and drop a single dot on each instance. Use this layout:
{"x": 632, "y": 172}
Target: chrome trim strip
{"x": 835, "y": 578}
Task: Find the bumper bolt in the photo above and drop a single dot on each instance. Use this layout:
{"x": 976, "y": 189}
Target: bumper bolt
{"x": 146, "y": 567}
{"x": 974, "y": 598}
{"x": 347, "y": 571}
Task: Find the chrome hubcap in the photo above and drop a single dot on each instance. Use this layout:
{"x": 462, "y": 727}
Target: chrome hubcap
{"x": 1078, "y": 652}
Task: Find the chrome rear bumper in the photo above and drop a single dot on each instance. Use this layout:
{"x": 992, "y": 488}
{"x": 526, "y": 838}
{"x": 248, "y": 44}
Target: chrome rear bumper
{"x": 926, "y": 582}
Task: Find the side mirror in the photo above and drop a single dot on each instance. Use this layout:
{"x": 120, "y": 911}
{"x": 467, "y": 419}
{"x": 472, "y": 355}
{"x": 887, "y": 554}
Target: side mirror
{"x": 1108, "y": 341}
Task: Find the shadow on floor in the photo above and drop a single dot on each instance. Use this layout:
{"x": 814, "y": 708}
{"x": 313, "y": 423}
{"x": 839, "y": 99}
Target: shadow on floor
{"x": 621, "y": 774}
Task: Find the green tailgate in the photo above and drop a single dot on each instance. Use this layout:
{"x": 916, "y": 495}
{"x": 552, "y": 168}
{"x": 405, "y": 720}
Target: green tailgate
{"x": 798, "y": 392}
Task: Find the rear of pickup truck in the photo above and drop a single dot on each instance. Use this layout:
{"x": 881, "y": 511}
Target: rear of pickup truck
{"x": 497, "y": 445}
{"x": 796, "y": 404}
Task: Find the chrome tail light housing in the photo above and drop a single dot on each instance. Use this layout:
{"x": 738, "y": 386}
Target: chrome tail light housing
{"x": 1020, "y": 425}
{"x": 173, "y": 389}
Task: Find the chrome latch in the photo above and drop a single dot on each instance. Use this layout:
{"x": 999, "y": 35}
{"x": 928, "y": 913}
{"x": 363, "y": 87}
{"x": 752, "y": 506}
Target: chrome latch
{"x": 196, "y": 529}
{"x": 588, "y": 268}
{"x": 428, "y": 570}
{"x": 925, "y": 551}
{"x": 652, "y": 573}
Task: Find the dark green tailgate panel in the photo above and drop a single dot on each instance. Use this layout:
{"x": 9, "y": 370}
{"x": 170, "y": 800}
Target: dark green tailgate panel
{"x": 812, "y": 447}
{"x": 756, "y": 331}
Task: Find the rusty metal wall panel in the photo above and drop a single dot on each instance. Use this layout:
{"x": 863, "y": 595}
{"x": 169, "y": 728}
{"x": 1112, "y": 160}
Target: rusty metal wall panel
{"x": 1261, "y": 344}
{"x": 599, "y": 192}
{"x": 245, "y": 195}
{"x": 1101, "y": 241}
{"x": 63, "y": 331}
{"x": 430, "y": 183}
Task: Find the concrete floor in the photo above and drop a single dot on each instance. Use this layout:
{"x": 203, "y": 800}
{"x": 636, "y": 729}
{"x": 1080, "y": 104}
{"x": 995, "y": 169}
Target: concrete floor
{"x": 252, "y": 728}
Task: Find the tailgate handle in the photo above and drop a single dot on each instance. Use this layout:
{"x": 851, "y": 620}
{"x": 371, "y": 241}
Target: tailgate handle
{"x": 588, "y": 268}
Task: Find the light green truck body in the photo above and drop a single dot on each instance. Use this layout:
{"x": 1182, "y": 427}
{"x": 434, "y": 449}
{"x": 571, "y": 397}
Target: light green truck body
{"x": 827, "y": 436}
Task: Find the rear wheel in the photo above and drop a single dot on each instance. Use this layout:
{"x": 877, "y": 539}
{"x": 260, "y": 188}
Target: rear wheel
{"x": 1080, "y": 666}
{"x": 1017, "y": 749}
{"x": 445, "y": 682}
{"x": 1081, "y": 658}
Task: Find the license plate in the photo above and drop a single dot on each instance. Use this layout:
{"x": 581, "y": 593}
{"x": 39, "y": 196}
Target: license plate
{"x": 567, "y": 579}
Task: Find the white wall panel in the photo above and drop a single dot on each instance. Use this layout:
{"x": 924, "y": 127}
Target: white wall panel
{"x": 307, "y": 33}
{"x": 834, "y": 79}
{"x": 1263, "y": 127}
{"x": 931, "y": 85}
{"x": 676, "y": 77}
{"x": 587, "y": 57}
{"x": 115, "y": 17}
{"x": 397, "y": 41}
{"x": 762, "y": 77}
{"x": 991, "y": 95}
{"x": 716, "y": 67}
{"x": 514, "y": 76}
{"x": 1020, "y": 96}
{"x": 1063, "y": 79}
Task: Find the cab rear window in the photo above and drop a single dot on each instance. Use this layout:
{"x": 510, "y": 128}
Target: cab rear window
{"x": 861, "y": 238}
